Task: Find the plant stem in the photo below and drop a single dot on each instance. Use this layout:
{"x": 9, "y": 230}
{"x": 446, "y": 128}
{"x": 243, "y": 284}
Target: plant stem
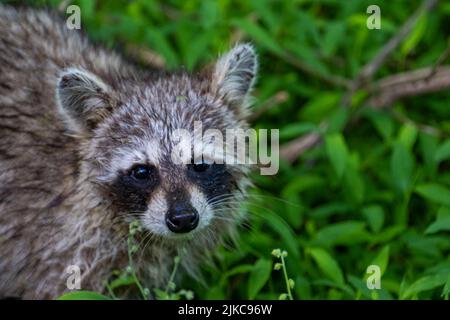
{"x": 172, "y": 275}
{"x": 133, "y": 273}
{"x": 110, "y": 291}
{"x": 286, "y": 278}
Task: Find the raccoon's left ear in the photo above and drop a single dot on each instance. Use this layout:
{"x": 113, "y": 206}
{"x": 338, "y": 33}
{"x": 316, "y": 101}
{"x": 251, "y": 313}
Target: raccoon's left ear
{"x": 234, "y": 75}
{"x": 83, "y": 99}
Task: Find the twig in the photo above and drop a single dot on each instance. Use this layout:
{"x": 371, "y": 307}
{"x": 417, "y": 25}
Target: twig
{"x": 412, "y": 83}
{"x": 368, "y": 71}
{"x": 273, "y": 101}
{"x": 295, "y": 148}
{"x": 444, "y": 56}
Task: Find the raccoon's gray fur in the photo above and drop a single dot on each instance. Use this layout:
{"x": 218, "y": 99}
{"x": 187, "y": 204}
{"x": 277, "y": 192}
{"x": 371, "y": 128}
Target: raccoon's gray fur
{"x": 75, "y": 120}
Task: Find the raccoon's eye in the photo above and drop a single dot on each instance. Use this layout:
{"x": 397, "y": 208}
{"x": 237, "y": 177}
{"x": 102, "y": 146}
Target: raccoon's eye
{"x": 141, "y": 172}
{"x": 200, "y": 167}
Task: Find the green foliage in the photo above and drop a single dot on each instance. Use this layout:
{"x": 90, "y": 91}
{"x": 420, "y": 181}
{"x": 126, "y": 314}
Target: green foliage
{"x": 83, "y": 295}
{"x": 258, "y": 277}
{"x": 376, "y": 191}
{"x": 327, "y": 265}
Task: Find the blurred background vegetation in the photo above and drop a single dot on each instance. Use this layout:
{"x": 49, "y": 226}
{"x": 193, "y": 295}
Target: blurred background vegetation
{"x": 372, "y": 185}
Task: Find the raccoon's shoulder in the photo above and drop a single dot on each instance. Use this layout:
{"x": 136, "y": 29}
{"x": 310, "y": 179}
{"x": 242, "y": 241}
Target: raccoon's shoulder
{"x": 28, "y": 32}
{"x": 39, "y": 42}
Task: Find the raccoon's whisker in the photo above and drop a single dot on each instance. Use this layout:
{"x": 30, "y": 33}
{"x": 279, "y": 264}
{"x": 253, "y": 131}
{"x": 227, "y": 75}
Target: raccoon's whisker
{"x": 143, "y": 237}
{"x": 231, "y": 211}
{"x": 228, "y": 205}
{"x": 209, "y": 238}
{"x": 230, "y": 199}
{"x": 218, "y": 202}
{"x": 231, "y": 203}
{"x": 145, "y": 240}
{"x": 219, "y": 197}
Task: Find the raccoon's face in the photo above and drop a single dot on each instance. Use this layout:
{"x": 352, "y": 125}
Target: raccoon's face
{"x": 132, "y": 147}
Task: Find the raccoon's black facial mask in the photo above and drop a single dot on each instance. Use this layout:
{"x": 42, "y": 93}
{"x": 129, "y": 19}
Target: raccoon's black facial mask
{"x": 213, "y": 179}
{"x": 132, "y": 188}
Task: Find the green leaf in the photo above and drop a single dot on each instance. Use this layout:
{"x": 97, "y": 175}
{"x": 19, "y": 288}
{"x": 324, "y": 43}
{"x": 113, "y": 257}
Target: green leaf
{"x": 446, "y": 290}
{"x": 337, "y": 121}
{"x": 320, "y": 106}
{"x": 375, "y": 217}
{"x": 415, "y": 36}
{"x": 424, "y": 284}
{"x": 295, "y": 129}
{"x": 388, "y": 234}
{"x": 442, "y": 222}
{"x": 434, "y": 192}
{"x": 83, "y": 295}
{"x": 335, "y": 30}
{"x": 402, "y": 164}
{"x": 382, "y": 259}
{"x": 258, "y": 277}
{"x": 263, "y": 8}
{"x": 209, "y": 12}
{"x": 442, "y": 152}
{"x": 125, "y": 280}
{"x": 307, "y": 55}
{"x": 359, "y": 285}
{"x": 159, "y": 41}
{"x": 285, "y": 231}
{"x": 259, "y": 34}
{"x": 353, "y": 182}
{"x": 197, "y": 47}
{"x": 215, "y": 293}
{"x": 407, "y": 135}
{"x": 87, "y": 7}
{"x": 428, "y": 148}
{"x": 244, "y": 268}
{"x": 161, "y": 294}
{"x": 342, "y": 233}
{"x": 329, "y": 209}
{"x": 337, "y": 152}
{"x": 382, "y": 122}
{"x": 327, "y": 265}
{"x": 303, "y": 183}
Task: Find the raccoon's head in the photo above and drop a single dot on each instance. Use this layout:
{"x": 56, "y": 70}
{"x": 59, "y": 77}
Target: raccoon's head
{"x": 127, "y": 126}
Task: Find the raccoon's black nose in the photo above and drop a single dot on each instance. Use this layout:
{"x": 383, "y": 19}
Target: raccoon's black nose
{"x": 182, "y": 219}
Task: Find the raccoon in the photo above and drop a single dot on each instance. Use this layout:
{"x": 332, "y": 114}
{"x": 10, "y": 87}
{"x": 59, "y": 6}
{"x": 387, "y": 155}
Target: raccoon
{"x": 85, "y": 148}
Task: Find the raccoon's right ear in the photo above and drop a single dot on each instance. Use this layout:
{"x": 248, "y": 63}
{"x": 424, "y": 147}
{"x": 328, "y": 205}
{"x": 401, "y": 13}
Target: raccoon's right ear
{"x": 83, "y": 99}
